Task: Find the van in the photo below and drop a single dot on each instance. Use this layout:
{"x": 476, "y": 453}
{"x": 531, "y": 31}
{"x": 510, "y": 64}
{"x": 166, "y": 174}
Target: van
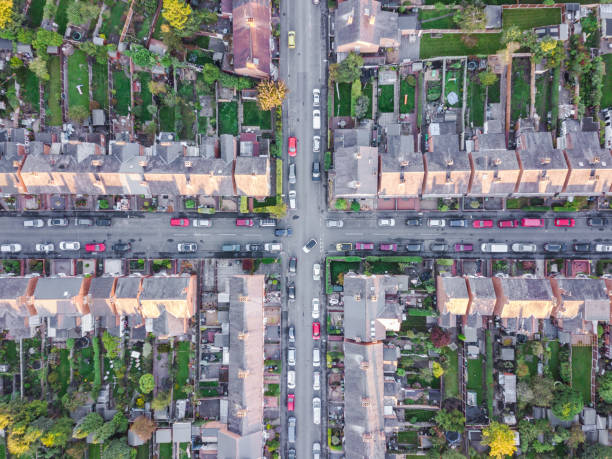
{"x": 291, "y": 430}
{"x": 494, "y": 247}
{"x": 273, "y": 247}
{"x": 291, "y": 379}
{"x": 457, "y": 223}
{"x": 267, "y": 222}
{"x": 316, "y": 410}
{"x": 316, "y": 357}
{"x": 532, "y": 222}
{"x": 292, "y": 178}
{"x": 316, "y": 380}
{"x": 291, "y": 356}
{"x": 316, "y": 119}
{"x": 231, "y": 247}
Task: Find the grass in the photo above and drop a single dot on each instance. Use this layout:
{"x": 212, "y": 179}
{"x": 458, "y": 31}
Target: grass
{"x": 543, "y": 95}
{"x": 385, "y": 98}
{"x": 61, "y": 16}
{"x": 493, "y": 93}
{"x": 30, "y": 92}
{"x": 414, "y": 323}
{"x": 142, "y": 452}
{"x": 476, "y": 100}
{"x": 409, "y": 437}
{"x": 187, "y": 122}
{"x": 35, "y": 13}
{"x": 520, "y": 89}
{"x": 581, "y": 371}
{"x": 527, "y": 18}
{"x": 228, "y": 118}
{"x": 553, "y": 362}
{"x": 94, "y": 451}
{"x": 475, "y": 381}
{"x": 165, "y": 451}
{"x": 436, "y": 19}
{"x": 121, "y": 85}
{"x": 489, "y": 375}
{"x": 114, "y": 24}
{"x": 78, "y": 74}
{"x": 454, "y": 83}
{"x": 145, "y": 97}
{"x": 53, "y": 92}
{"x": 339, "y": 267}
{"x": 85, "y": 363}
{"x": 453, "y": 45}
{"x": 202, "y": 41}
{"x": 253, "y": 116}
{"x": 166, "y": 119}
{"x": 451, "y": 375}
{"x": 419, "y": 415}
{"x": 530, "y": 360}
{"x": 182, "y": 374}
{"x": 406, "y": 102}
{"x": 606, "y": 97}
{"x": 342, "y": 99}
{"x": 99, "y": 78}
{"x": 199, "y": 57}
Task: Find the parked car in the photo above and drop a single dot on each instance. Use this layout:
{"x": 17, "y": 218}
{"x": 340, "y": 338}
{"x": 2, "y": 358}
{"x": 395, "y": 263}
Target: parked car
{"x": 532, "y": 222}
{"x": 57, "y": 222}
{"x": 309, "y": 245}
{"x": 292, "y": 199}
{"x": 292, "y": 176}
{"x": 334, "y": 223}
{"x": 280, "y": 232}
{"x": 108, "y": 222}
{"x": 122, "y": 246}
{"x": 291, "y": 356}
{"x": 273, "y": 246}
{"x": 597, "y": 221}
{"x": 10, "y": 248}
{"x": 95, "y": 247}
{"x": 482, "y": 223}
{"x": 179, "y": 222}
{"x": 316, "y": 272}
{"x": 316, "y": 447}
{"x": 253, "y": 247}
{"x": 291, "y": 379}
{"x": 265, "y": 222}
{"x": 291, "y": 402}
{"x": 230, "y": 247}
{"x": 35, "y": 223}
{"x": 187, "y": 247}
{"x": 316, "y": 310}
{"x": 292, "y": 265}
{"x": 316, "y": 410}
{"x": 292, "y": 146}
{"x": 316, "y": 119}
{"x": 316, "y": 357}
{"x": 413, "y": 222}
{"x": 388, "y": 247}
{"x": 565, "y": 222}
{"x": 316, "y": 95}
{"x": 316, "y": 144}
{"x": 494, "y": 247}
{"x": 521, "y": 247}
{"x": 414, "y": 247}
{"x": 436, "y": 223}
{"x": 582, "y": 247}
{"x": 316, "y": 330}
{"x": 464, "y": 247}
{"x": 316, "y": 380}
{"x": 202, "y": 223}
{"x": 364, "y": 246}
{"x": 291, "y": 290}
{"x": 244, "y": 222}
{"x": 291, "y": 39}
{"x": 316, "y": 171}
{"x": 386, "y": 222}
{"x": 291, "y": 334}
{"x": 438, "y": 247}
{"x": 46, "y": 248}
{"x": 69, "y": 245}
{"x": 83, "y": 222}
{"x": 291, "y": 434}
{"x": 457, "y": 223}
{"x": 603, "y": 247}
{"x": 344, "y": 246}
{"x": 508, "y": 223}
{"x": 554, "y": 247}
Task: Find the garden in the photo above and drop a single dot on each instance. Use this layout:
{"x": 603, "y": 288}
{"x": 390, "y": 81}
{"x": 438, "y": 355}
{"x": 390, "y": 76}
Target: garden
{"x": 113, "y": 23}
{"x": 581, "y": 371}
{"x": 475, "y": 380}
{"x": 166, "y": 119}
{"x": 480, "y": 44}
{"x": 342, "y": 99}
{"x": 185, "y": 121}
{"x": 78, "y": 80}
{"x": 30, "y": 91}
{"x": 453, "y": 86}
{"x": 99, "y": 80}
{"x": 543, "y": 96}
{"x": 386, "y": 98}
{"x": 439, "y": 18}
{"x": 521, "y": 94}
{"x": 228, "y": 118}
{"x": 528, "y": 18}
{"x": 144, "y": 99}
{"x": 121, "y": 92}
{"x": 253, "y": 116}
{"x": 606, "y": 98}
{"x": 476, "y": 100}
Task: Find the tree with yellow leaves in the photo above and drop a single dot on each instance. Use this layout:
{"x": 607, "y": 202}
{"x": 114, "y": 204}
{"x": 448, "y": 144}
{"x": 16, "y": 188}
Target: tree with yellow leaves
{"x": 6, "y": 13}
{"x": 177, "y": 13}
{"x": 271, "y": 94}
{"x": 500, "y": 439}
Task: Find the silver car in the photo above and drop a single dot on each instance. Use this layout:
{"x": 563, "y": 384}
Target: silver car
{"x": 316, "y": 97}
{"x": 292, "y": 178}
{"x": 57, "y": 222}
{"x": 187, "y": 247}
{"x": 69, "y": 245}
{"x": 10, "y": 248}
{"x": 334, "y": 223}
{"x": 524, "y": 248}
{"x": 316, "y": 144}
{"x": 386, "y": 222}
{"x": 36, "y": 223}
{"x": 49, "y": 247}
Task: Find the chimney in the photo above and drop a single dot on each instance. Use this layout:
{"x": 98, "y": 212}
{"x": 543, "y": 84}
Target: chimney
{"x": 96, "y": 162}
{"x": 449, "y": 162}
{"x": 365, "y": 402}
{"x": 242, "y": 336}
{"x": 241, "y": 413}
{"x": 544, "y": 161}
{"x": 372, "y": 20}
{"x": 242, "y": 374}
{"x": 497, "y": 161}
{"x": 358, "y": 154}
{"x": 596, "y": 160}
{"x": 188, "y": 164}
{"x": 364, "y": 365}
{"x": 143, "y": 163}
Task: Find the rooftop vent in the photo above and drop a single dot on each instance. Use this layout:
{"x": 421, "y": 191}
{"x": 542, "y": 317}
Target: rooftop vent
{"x": 188, "y": 164}
{"x": 545, "y": 160}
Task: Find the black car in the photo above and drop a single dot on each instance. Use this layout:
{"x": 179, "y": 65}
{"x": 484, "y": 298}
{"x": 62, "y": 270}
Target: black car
{"x": 292, "y": 265}
{"x": 597, "y": 221}
{"x": 280, "y": 232}
{"x": 582, "y": 247}
{"x": 122, "y": 246}
{"x": 103, "y": 221}
{"x": 291, "y": 290}
{"x": 554, "y": 247}
{"x": 316, "y": 171}
{"x": 413, "y": 222}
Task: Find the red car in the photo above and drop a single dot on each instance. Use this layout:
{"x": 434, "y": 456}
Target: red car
{"x": 179, "y": 222}
{"x": 388, "y": 247}
{"x": 508, "y": 223}
{"x": 290, "y": 402}
{"x": 95, "y": 247}
{"x": 292, "y": 146}
{"x": 244, "y": 222}
{"x": 565, "y": 222}
{"x": 464, "y": 247}
{"x": 316, "y": 330}
{"x": 364, "y": 246}
{"x": 482, "y": 224}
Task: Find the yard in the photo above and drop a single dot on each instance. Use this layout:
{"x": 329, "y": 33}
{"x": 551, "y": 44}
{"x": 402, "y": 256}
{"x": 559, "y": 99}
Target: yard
{"x": 528, "y": 18}
{"x": 165, "y": 451}
{"x": 341, "y": 267}
{"x": 61, "y": 16}
{"x": 145, "y": 98}
{"x": 367, "y": 91}
{"x": 342, "y": 99}
{"x": 543, "y": 95}
{"x": 385, "y": 98}
{"x": 476, "y": 100}
{"x": 166, "y": 119}
{"x": 419, "y": 415}
{"x": 606, "y": 97}
{"x": 94, "y": 451}
{"x": 122, "y": 95}
{"x": 182, "y": 373}
{"x": 78, "y": 78}
{"x": 35, "y": 13}
{"x": 53, "y": 92}
{"x": 553, "y": 362}
{"x": 581, "y": 371}
{"x": 63, "y": 370}
{"x": 142, "y": 452}
{"x": 460, "y": 45}
{"x": 437, "y": 19}
{"x": 454, "y": 84}
{"x": 187, "y": 111}
{"x": 475, "y": 381}
{"x": 520, "y": 89}
{"x": 406, "y": 102}
{"x": 99, "y": 79}
{"x": 228, "y": 118}
{"x": 414, "y": 323}
{"x": 112, "y": 25}
{"x": 451, "y": 375}
{"x": 30, "y": 91}
{"x": 253, "y": 116}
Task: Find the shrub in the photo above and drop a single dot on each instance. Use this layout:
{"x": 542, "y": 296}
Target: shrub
{"x": 341, "y": 204}
{"x": 355, "y": 207}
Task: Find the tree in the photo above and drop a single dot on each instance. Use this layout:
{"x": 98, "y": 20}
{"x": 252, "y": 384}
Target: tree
{"x": 512, "y": 34}
{"x": 437, "y": 369}
{"x": 439, "y": 337}
{"x": 72, "y": 401}
{"x": 6, "y": 13}
{"x": 471, "y": 18}
{"x": 117, "y": 449}
{"x": 76, "y": 450}
{"x": 210, "y": 72}
{"x": 38, "y": 65}
{"x": 78, "y": 113}
{"x": 355, "y": 206}
{"x": 120, "y": 421}
{"x": 146, "y": 383}
{"x": 111, "y": 344}
{"x": 104, "y": 432}
{"x": 487, "y": 78}
{"x": 87, "y": 425}
{"x": 604, "y": 387}
{"x": 340, "y": 204}
{"x": 500, "y": 439}
{"x": 170, "y": 99}
{"x": 567, "y": 403}
{"x": 597, "y": 451}
{"x": 176, "y": 12}
{"x": 143, "y": 427}
{"x": 15, "y": 63}
{"x": 100, "y": 53}
{"x": 348, "y": 70}
{"x": 161, "y": 401}
{"x": 46, "y": 38}
{"x": 157, "y": 87}
{"x": 576, "y": 437}
{"x": 59, "y": 434}
{"x": 271, "y": 94}
{"x": 450, "y": 421}
{"x": 82, "y": 12}
{"x": 362, "y": 104}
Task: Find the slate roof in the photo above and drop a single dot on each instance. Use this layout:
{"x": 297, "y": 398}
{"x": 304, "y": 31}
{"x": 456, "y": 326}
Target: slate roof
{"x": 355, "y": 173}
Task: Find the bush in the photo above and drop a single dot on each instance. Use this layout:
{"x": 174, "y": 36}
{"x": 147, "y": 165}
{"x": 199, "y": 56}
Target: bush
{"x": 355, "y": 207}
{"x": 341, "y": 204}
{"x": 411, "y": 80}
{"x": 103, "y": 203}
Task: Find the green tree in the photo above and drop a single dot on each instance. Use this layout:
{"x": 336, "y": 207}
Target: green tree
{"x": 576, "y": 437}
{"x": 111, "y": 344}
{"x": 117, "y": 449}
{"x": 146, "y": 383}
{"x": 82, "y": 12}
{"x": 567, "y": 403}
{"x": 210, "y": 73}
{"x": 471, "y": 17}
{"x": 453, "y": 421}
{"x": 38, "y": 66}
{"x": 355, "y": 206}
{"x": 512, "y": 34}
{"x": 362, "y": 105}
{"x": 59, "y": 434}
{"x": 604, "y": 387}
{"x": 87, "y": 425}
{"x": 348, "y": 70}
{"x": 120, "y": 421}
{"x": 98, "y": 52}
{"x": 487, "y": 78}
{"x": 46, "y": 38}
{"x": 78, "y": 113}
{"x": 161, "y": 401}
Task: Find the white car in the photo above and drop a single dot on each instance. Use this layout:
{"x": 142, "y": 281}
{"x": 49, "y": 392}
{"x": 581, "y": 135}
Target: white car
{"x": 316, "y": 144}
{"x": 10, "y": 248}
{"x": 436, "y": 222}
{"x": 316, "y": 380}
{"x": 200, "y": 222}
{"x": 334, "y": 223}
{"x": 309, "y": 245}
{"x": 316, "y": 308}
{"x": 316, "y": 410}
{"x": 316, "y": 119}
{"x": 291, "y": 379}
{"x": 292, "y": 177}
{"x": 520, "y": 247}
{"x": 36, "y": 223}
{"x": 45, "y": 247}
{"x": 386, "y": 222}
{"x": 316, "y": 357}
{"x": 69, "y": 245}
{"x": 291, "y": 356}
{"x": 316, "y": 272}
{"x": 603, "y": 248}
{"x": 316, "y": 97}
{"x": 292, "y": 199}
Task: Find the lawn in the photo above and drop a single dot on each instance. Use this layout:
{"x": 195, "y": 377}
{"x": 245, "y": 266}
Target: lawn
{"x": 436, "y": 20}
{"x": 145, "y": 97}
{"x": 228, "y": 118}
{"x": 85, "y": 363}
{"x": 94, "y": 451}
{"x": 543, "y": 95}
{"x": 61, "y": 16}
{"x": 454, "y": 45}
{"x": 489, "y": 375}
{"x": 606, "y": 97}
{"x": 114, "y": 24}
{"x": 121, "y": 85}
{"x": 475, "y": 381}
{"x": 493, "y": 96}
{"x": 35, "y": 13}
{"x": 99, "y": 79}
{"x": 406, "y": 102}
{"x": 451, "y": 379}
{"x": 528, "y": 18}
{"x": 53, "y": 92}
{"x": 524, "y": 351}
{"x": 407, "y": 437}
{"x": 30, "y": 91}
{"x": 385, "y": 98}
{"x": 166, "y": 119}
{"x": 342, "y": 99}
{"x": 253, "y": 116}
{"x": 476, "y": 100}
{"x": 454, "y": 83}
{"x": 419, "y": 415}
{"x": 182, "y": 374}
{"x": 142, "y": 452}
{"x": 187, "y": 122}
{"x": 581, "y": 371}
{"x": 165, "y": 451}
{"x": 520, "y": 89}
{"x": 78, "y": 75}
{"x": 553, "y": 362}
{"x": 341, "y": 267}
{"x": 199, "y": 57}
{"x": 414, "y": 323}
